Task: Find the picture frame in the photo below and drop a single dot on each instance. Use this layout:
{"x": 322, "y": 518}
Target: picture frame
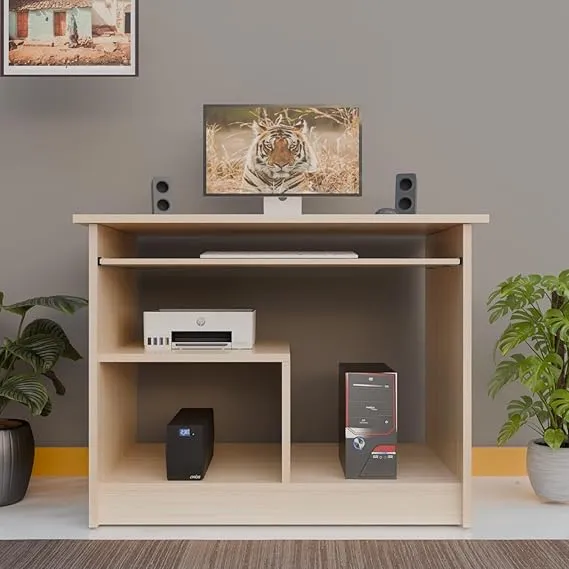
{"x": 81, "y": 38}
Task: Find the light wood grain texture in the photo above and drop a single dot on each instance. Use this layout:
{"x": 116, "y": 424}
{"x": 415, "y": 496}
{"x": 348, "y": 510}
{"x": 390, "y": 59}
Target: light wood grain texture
{"x": 286, "y": 421}
{"x": 231, "y": 464}
{"x": 219, "y": 224}
{"x": 112, "y": 313}
{"x": 116, "y": 414}
{"x": 93, "y": 374}
{"x": 242, "y": 487}
{"x": 262, "y": 352}
{"x": 467, "y": 376}
{"x": 286, "y": 483}
{"x": 406, "y": 503}
{"x": 206, "y": 263}
{"x": 116, "y": 291}
{"x": 448, "y": 357}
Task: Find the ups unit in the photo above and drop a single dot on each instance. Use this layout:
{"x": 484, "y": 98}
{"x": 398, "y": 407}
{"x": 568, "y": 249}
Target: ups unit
{"x": 368, "y": 420}
{"x": 189, "y": 444}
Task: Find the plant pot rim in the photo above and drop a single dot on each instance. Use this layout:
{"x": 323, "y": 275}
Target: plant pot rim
{"x": 9, "y": 424}
{"x": 539, "y": 442}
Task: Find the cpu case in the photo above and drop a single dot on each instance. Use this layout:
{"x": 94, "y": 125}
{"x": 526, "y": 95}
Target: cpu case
{"x": 189, "y": 444}
{"x": 368, "y": 420}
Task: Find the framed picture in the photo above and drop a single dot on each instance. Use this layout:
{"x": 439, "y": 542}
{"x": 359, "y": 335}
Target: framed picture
{"x": 69, "y": 37}
{"x": 273, "y": 149}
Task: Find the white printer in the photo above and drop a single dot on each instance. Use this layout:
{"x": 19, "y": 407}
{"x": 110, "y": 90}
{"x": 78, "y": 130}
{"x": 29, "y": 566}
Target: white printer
{"x": 191, "y": 329}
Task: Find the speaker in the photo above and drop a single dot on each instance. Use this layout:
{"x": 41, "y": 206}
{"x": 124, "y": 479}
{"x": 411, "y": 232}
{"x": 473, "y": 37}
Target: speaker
{"x": 161, "y": 195}
{"x": 406, "y": 193}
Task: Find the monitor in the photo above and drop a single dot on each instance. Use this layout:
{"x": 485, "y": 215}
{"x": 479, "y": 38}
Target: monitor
{"x": 281, "y": 151}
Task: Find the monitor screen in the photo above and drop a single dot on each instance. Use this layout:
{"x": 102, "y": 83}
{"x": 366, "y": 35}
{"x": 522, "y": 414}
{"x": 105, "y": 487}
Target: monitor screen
{"x": 279, "y": 150}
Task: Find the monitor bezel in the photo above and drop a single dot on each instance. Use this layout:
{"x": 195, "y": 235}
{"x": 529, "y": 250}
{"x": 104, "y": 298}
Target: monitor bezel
{"x": 269, "y": 194}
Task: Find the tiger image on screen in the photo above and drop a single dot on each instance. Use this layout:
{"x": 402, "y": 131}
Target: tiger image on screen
{"x": 279, "y": 158}
{"x": 275, "y": 150}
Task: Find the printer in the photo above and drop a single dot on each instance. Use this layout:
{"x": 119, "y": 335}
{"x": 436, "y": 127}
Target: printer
{"x": 191, "y": 329}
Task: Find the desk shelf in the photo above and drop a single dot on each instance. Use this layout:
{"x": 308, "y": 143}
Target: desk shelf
{"x": 275, "y": 263}
{"x": 233, "y": 463}
{"x": 243, "y": 485}
{"x": 263, "y": 352}
{"x": 283, "y": 483}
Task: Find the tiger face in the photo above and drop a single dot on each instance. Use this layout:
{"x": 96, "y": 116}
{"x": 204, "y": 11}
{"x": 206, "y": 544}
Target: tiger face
{"x": 281, "y": 151}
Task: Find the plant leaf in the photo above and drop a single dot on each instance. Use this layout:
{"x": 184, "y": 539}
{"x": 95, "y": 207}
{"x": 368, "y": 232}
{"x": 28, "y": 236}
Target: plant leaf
{"x": 558, "y": 322}
{"x": 5, "y": 358}
{"x": 47, "y": 409}
{"x": 554, "y": 437}
{"x": 562, "y": 284}
{"x": 514, "y": 335}
{"x": 41, "y": 352}
{"x": 45, "y": 326}
{"x": 506, "y": 372}
{"x": 27, "y": 390}
{"x": 57, "y": 383}
{"x": 523, "y": 407}
{"x": 537, "y": 373}
{"x": 62, "y": 303}
{"x": 510, "y": 428}
{"x": 559, "y": 402}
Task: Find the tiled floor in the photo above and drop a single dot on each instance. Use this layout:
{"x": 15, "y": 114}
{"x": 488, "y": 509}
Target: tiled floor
{"x": 504, "y": 508}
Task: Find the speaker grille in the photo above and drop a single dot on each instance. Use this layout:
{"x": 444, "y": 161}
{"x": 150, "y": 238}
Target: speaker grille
{"x": 161, "y": 198}
{"x": 406, "y": 193}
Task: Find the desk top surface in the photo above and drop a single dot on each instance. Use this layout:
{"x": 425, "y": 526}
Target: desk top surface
{"x": 417, "y": 224}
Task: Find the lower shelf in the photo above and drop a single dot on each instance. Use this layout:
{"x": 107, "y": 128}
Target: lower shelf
{"x": 242, "y": 487}
{"x": 231, "y": 464}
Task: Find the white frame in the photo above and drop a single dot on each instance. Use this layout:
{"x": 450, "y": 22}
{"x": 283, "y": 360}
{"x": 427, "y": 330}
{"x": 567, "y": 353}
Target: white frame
{"x": 9, "y": 70}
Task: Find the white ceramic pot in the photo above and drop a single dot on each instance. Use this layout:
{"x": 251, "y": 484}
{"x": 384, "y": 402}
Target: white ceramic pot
{"x": 548, "y": 471}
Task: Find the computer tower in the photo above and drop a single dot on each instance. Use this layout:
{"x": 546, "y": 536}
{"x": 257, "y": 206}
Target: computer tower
{"x": 189, "y": 444}
{"x": 368, "y": 420}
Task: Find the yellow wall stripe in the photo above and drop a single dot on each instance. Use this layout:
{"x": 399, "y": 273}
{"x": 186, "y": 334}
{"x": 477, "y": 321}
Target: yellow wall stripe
{"x": 61, "y": 461}
{"x": 486, "y": 461}
{"x": 499, "y": 461}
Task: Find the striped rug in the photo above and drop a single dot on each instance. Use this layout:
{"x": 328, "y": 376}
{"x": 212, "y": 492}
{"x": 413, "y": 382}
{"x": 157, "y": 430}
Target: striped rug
{"x": 95, "y": 554}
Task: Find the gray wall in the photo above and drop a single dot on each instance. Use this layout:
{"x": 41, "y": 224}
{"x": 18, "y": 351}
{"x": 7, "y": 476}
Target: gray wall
{"x": 470, "y": 95}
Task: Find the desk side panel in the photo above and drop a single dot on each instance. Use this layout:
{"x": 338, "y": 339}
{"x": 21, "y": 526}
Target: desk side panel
{"x": 112, "y": 309}
{"x": 448, "y": 357}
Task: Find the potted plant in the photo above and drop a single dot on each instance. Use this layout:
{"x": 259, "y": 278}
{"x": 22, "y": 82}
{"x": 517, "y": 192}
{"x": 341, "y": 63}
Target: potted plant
{"x": 534, "y": 352}
{"x": 27, "y": 363}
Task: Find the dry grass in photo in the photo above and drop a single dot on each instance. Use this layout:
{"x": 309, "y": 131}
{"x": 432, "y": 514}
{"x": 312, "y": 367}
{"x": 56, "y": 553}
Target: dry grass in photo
{"x": 333, "y": 133}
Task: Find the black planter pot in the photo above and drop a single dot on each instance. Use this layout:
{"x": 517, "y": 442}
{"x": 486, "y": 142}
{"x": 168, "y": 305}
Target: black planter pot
{"x": 17, "y": 450}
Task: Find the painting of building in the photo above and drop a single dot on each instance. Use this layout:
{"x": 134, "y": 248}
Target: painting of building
{"x": 111, "y": 16}
{"x": 69, "y": 37}
{"x": 50, "y": 20}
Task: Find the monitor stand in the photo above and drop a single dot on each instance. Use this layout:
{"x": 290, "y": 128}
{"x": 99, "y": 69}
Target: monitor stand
{"x": 282, "y": 207}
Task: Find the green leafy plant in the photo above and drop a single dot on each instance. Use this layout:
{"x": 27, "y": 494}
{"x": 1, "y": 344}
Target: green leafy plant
{"x": 27, "y": 361}
{"x": 534, "y": 352}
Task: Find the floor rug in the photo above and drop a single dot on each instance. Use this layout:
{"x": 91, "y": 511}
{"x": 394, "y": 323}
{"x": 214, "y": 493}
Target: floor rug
{"x": 392, "y": 554}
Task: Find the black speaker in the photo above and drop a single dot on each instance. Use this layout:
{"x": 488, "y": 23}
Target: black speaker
{"x": 406, "y": 193}
{"x": 161, "y": 195}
